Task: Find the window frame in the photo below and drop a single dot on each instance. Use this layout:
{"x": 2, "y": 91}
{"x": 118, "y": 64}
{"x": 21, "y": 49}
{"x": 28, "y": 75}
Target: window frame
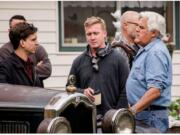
{"x": 63, "y": 48}
{"x": 177, "y": 25}
{"x": 61, "y": 32}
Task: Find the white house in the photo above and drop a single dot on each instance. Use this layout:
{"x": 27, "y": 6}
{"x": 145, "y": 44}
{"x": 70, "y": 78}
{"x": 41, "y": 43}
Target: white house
{"x": 57, "y": 36}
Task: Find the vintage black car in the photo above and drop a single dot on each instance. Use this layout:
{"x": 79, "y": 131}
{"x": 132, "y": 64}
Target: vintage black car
{"x": 26, "y": 109}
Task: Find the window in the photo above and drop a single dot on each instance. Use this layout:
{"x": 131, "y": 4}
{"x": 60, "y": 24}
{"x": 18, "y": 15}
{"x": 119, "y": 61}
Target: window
{"x": 177, "y": 23}
{"x": 72, "y": 17}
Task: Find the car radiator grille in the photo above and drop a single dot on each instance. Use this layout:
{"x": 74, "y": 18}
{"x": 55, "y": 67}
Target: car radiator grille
{"x": 14, "y": 127}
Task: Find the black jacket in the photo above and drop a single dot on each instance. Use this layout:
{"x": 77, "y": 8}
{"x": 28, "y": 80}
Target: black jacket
{"x": 43, "y": 71}
{"x": 129, "y": 51}
{"x": 12, "y": 71}
{"x": 110, "y": 80}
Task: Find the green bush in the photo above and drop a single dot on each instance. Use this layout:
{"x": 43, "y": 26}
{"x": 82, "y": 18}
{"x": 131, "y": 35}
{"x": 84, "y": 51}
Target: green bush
{"x": 175, "y": 109}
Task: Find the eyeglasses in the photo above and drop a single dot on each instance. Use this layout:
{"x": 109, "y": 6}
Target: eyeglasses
{"x": 95, "y": 61}
{"x": 132, "y": 23}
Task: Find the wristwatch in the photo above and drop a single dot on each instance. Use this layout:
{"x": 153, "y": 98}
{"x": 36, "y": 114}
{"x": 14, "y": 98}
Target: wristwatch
{"x": 133, "y": 110}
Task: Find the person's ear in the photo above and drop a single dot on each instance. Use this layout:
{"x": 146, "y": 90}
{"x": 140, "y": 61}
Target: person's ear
{"x": 22, "y": 42}
{"x": 155, "y": 33}
{"x": 105, "y": 34}
{"x": 9, "y": 28}
{"x": 125, "y": 25}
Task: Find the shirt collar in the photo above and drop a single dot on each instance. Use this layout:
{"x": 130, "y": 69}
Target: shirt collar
{"x": 151, "y": 44}
{"x": 147, "y": 47}
{"x": 88, "y": 51}
{"x": 19, "y": 60}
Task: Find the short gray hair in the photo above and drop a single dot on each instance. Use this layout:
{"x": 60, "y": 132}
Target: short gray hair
{"x": 155, "y": 21}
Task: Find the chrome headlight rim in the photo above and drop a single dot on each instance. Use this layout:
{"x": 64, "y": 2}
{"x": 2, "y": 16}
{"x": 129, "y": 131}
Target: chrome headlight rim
{"x": 119, "y": 114}
{"x": 54, "y": 125}
{"x": 112, "y": 121}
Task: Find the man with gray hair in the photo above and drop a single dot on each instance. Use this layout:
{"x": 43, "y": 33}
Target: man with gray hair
{"x": 126, "y": 45}
{"x": 149, "y": 82}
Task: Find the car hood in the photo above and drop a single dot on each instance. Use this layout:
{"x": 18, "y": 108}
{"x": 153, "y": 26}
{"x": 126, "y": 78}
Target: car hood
{"x": 18, "y": 96}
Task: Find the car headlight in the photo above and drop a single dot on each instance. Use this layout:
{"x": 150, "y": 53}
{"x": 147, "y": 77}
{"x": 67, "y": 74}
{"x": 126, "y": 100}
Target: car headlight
{"x": 118, "y": 121}
{"x": 55, "y": 125}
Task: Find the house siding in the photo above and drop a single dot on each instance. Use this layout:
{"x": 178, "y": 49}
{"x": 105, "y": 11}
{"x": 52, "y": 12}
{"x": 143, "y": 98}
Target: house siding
{"x": 176, "y": 74}
{"x": 42, "y": 14}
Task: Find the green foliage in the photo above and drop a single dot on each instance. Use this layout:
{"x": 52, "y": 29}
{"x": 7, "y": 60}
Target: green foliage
{"x": 175, "y": 109}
